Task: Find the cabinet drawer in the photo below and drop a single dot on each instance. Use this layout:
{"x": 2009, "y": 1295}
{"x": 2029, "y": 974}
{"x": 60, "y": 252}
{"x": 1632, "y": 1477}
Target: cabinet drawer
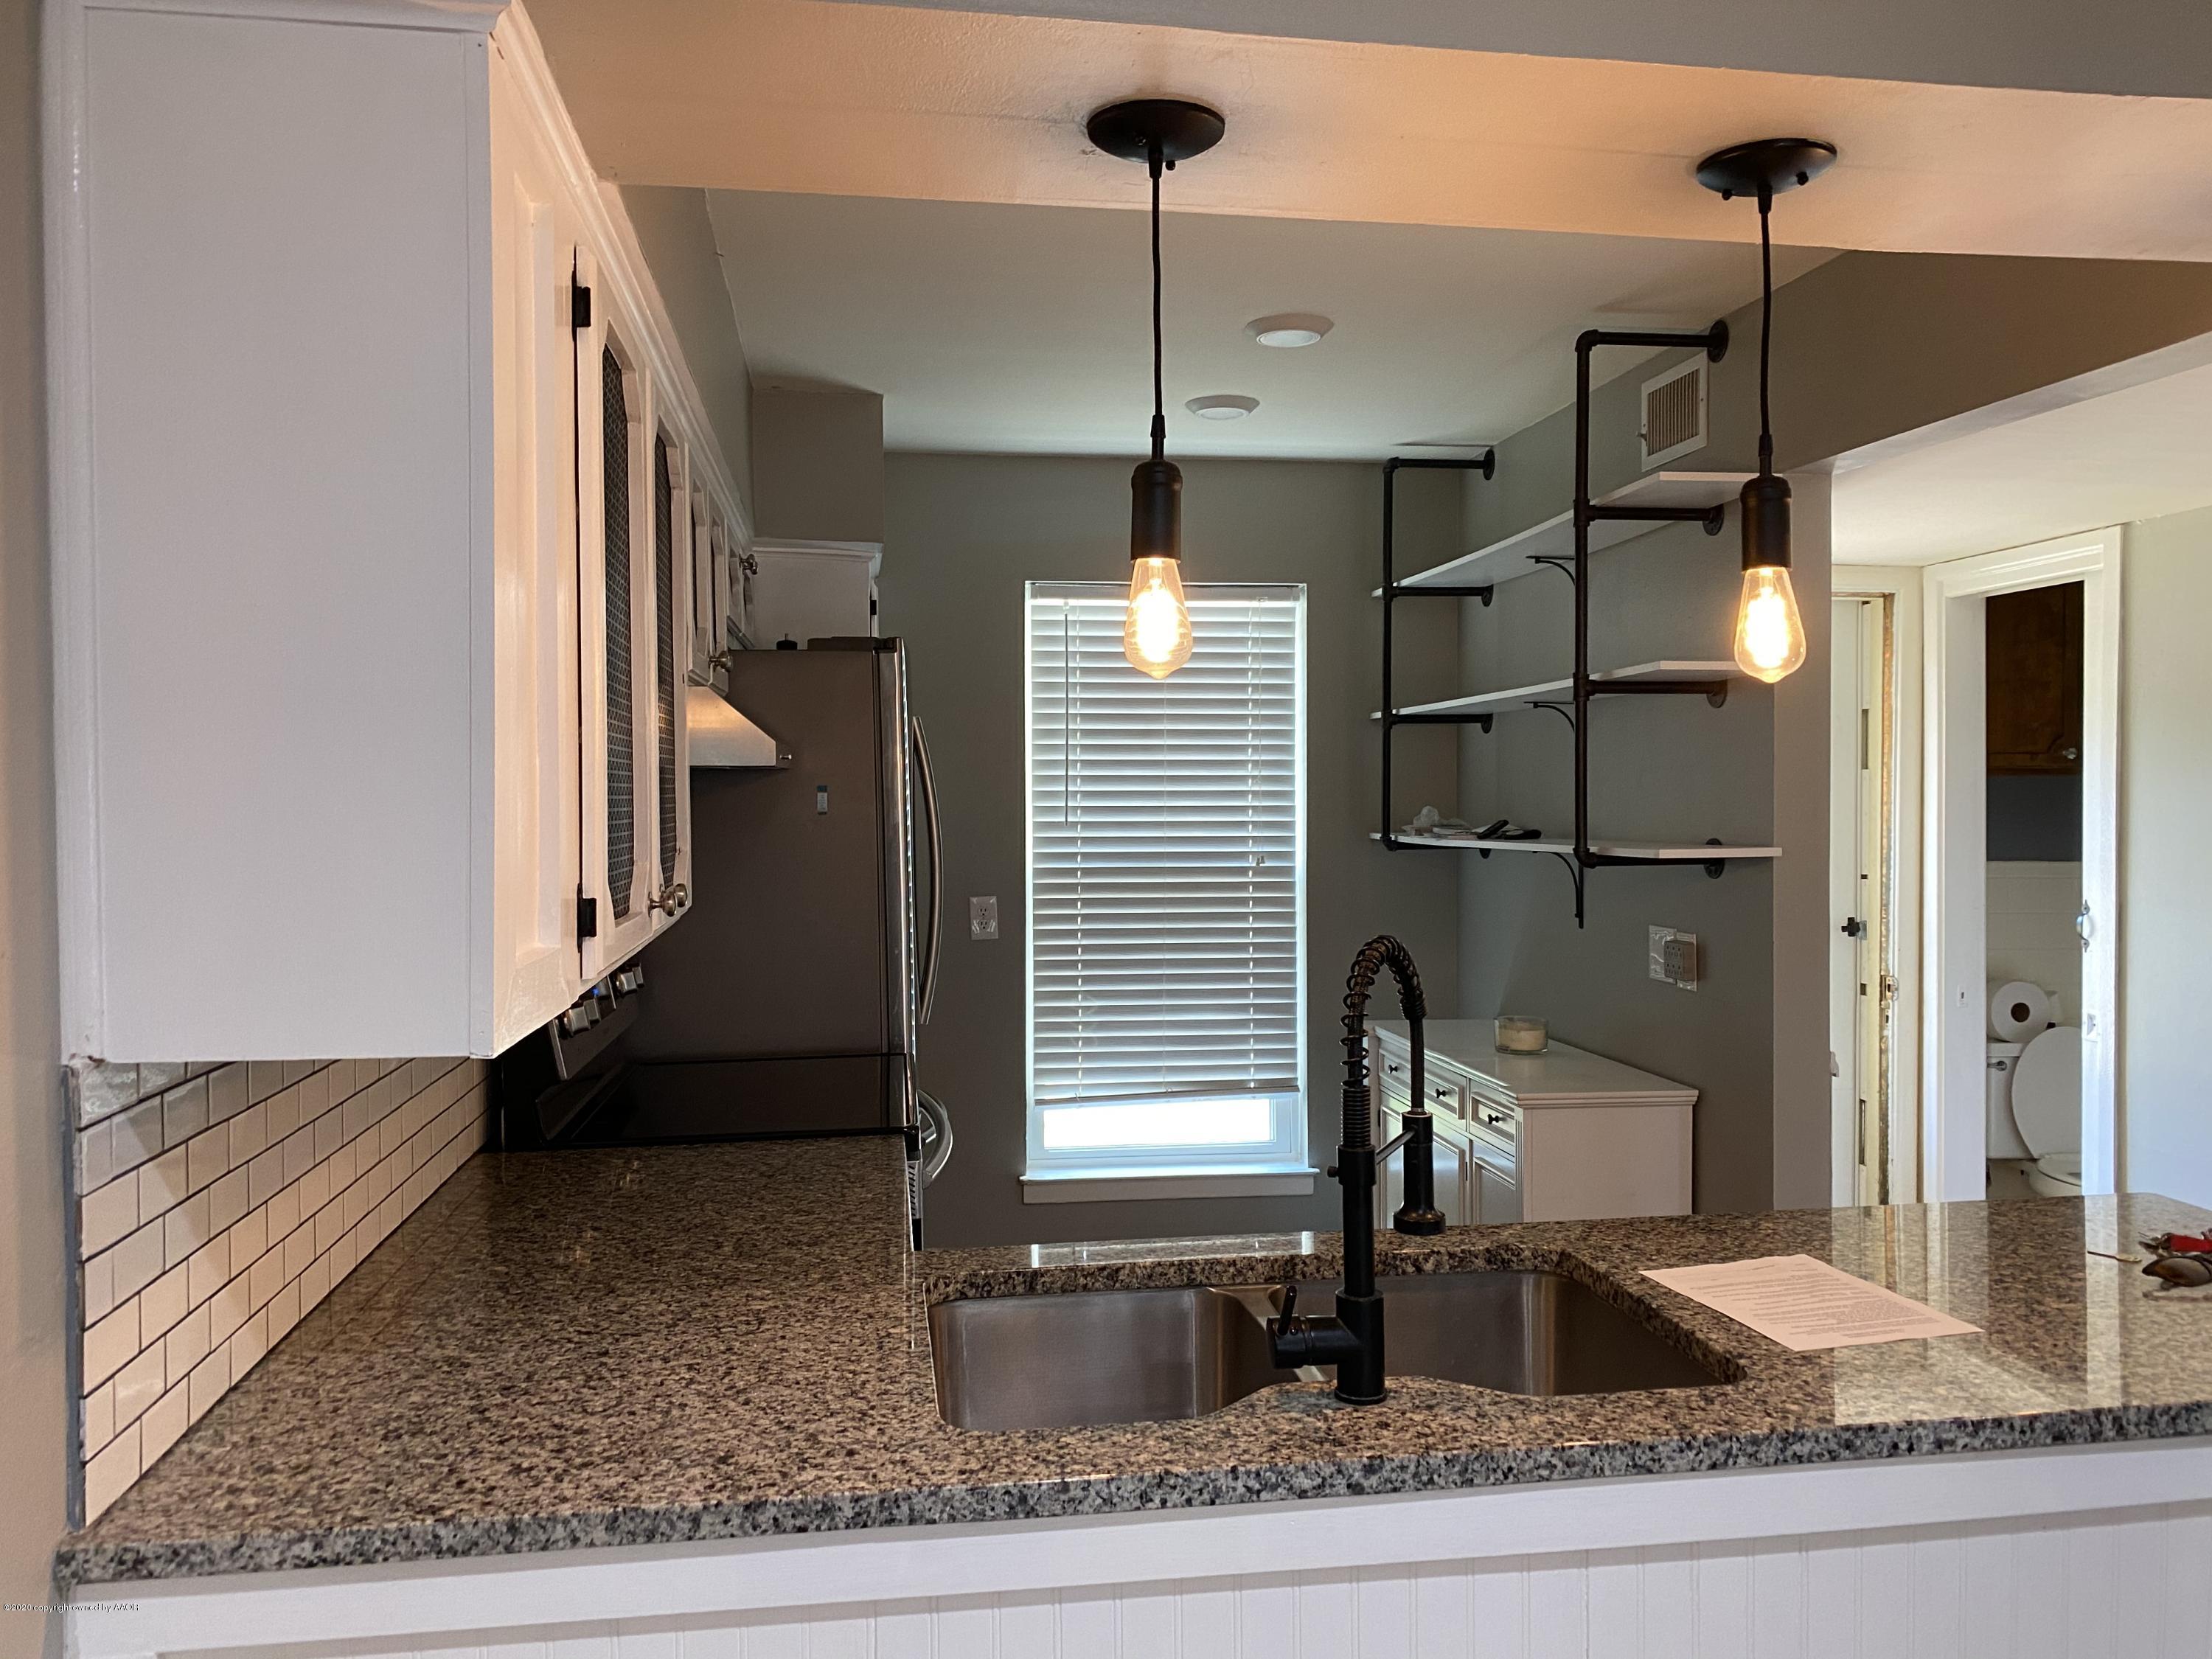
{"x": 1447, "y": 1092}
{"x": 1500, "y": 1123}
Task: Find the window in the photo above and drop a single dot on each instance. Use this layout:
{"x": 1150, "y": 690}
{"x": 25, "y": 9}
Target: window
{"x": 1166, "y": 896}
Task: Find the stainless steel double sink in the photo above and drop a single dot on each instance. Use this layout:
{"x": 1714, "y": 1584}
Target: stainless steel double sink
{"x": 1060, "y": 1361}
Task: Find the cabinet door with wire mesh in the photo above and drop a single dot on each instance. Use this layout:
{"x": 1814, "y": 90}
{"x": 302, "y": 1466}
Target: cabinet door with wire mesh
{"x": 615, "y": 422}
{"x": 668, "y": 638}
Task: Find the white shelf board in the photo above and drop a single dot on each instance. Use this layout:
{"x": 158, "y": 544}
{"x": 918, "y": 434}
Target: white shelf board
{"x": 1624, "y": 849}
{"x": 1665, "y": 672}
{"x": 1503, "y": 560}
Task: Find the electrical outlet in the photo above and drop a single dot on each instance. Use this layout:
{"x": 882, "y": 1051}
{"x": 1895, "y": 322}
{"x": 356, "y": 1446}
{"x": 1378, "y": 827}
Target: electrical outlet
{"x": 983, "y": 918}
{"x": 1673, "y": 957}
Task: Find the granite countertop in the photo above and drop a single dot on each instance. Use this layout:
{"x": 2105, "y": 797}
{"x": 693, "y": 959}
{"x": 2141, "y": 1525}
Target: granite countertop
{"x": 567, "y": 1349}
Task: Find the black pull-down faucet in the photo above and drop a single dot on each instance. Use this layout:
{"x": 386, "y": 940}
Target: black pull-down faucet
{"x": 1352, "y": 1340}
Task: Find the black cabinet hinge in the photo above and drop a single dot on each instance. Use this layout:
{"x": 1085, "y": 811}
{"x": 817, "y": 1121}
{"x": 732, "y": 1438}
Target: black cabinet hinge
{"x": 580, "y": 305}
{"x": 587, "y": 916}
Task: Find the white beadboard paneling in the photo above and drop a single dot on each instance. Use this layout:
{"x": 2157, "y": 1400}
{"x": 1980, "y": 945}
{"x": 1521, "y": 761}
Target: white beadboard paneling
{"x": 2123, "y": 1583}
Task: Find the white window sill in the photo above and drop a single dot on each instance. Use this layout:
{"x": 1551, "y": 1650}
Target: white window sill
{"x": 1115, "y": 1186}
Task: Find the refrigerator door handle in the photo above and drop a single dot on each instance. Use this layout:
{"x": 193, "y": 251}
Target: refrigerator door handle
{"x": 933, "y": 940}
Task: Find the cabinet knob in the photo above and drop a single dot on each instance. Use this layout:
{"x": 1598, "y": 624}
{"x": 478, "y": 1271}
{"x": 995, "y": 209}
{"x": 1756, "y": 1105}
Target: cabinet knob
{"x": 671, "y": 899}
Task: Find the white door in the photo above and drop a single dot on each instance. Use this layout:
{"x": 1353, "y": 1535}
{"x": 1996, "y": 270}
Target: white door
{"x": 1955, "y": 991}
{"x": 614, "y": 417}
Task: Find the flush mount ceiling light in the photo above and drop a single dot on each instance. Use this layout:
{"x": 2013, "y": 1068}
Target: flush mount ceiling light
{"x": 1156, "y": 631}
{"x": 1223, "y": 406}
{"x": 1292, "y": 328}
{"x": 1770, "y": 633}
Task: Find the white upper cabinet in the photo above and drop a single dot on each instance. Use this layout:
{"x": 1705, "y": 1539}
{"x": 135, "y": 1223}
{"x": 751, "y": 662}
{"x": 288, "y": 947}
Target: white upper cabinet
{"x": 373, "y": 536}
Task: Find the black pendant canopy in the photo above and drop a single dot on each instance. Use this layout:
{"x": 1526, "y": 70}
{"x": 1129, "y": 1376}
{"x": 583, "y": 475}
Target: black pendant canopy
{"x": 1773, "y": 165}
{"x": 1159, "y": 132}
{"x": 1763, "y": 169}
{"x": 1176, "y": 127}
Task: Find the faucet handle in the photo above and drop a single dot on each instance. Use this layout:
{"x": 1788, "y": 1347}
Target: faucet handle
{"x": 1288, "y": 1310}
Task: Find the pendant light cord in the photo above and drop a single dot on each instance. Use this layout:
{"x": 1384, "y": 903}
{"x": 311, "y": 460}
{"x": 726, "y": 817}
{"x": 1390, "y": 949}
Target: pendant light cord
{"x": 1765, "y": 326}
{"x": 1159, "y": 401}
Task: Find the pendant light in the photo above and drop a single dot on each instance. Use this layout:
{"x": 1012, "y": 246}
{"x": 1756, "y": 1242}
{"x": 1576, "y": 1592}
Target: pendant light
{"x": 1156, "y": 629}
{"x": 1770, "y": 631}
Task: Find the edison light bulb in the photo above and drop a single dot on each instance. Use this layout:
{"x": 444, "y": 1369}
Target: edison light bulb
{"x": 1156, "y": 632}
{"x": 1770, "y": 635}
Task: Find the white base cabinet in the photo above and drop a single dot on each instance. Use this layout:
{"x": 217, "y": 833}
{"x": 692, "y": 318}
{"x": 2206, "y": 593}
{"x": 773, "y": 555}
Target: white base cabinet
{"x": 329, "y": 608}
{"x": 1565, "y": 1135}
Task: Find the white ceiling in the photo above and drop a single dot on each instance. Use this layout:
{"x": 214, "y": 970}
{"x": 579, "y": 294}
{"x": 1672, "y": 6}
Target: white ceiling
{"x": 996, "y": 328}
{"x": 882, "y": 100}
{"x": 2076, "y": 458}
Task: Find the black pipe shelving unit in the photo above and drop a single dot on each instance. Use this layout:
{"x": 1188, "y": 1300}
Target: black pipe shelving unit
{"x": 1569, "y": 698}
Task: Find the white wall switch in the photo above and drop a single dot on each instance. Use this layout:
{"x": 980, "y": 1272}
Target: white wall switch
{"x": 983, "y": 918}
{"x": 1673, "y": 957}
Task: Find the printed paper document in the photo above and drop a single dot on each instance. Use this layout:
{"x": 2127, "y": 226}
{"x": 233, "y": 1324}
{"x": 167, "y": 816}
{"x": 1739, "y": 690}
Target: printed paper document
{"x": 1804, "y": 1304}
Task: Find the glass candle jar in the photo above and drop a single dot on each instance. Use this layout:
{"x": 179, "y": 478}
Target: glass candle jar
{"x": 1521, "y": 1034}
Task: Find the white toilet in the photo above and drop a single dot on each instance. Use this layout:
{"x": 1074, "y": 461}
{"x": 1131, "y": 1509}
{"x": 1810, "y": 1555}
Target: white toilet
{"x": 2035, "y": 1108}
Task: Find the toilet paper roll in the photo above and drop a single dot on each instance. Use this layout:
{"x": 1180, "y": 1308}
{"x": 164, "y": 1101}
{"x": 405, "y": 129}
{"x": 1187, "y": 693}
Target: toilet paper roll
{"x": 2018, "y": 1010}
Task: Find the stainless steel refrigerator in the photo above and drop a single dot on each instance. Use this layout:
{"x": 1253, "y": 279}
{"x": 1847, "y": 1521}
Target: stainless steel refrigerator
{"x": 788, "y": 1001}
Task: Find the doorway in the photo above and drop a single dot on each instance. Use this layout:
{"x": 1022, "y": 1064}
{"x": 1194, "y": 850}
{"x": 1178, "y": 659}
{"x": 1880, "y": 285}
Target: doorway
{"x": 1862, "y": 985}
{"x": 1969, "y": 760}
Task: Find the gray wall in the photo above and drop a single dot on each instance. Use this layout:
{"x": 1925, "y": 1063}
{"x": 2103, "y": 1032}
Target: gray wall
{"x": 2166, "y": 880}
{"x": 1869, "y": 348}
{"x": 818, "y": 464}
{"x": 678, "y": 239}
{"x": 964, "y": 533}
{"x": 34, "y": 1429}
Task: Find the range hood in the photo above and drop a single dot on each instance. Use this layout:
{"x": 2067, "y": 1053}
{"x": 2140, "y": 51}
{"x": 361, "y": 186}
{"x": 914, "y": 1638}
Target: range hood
{"x": 720, "y": 736}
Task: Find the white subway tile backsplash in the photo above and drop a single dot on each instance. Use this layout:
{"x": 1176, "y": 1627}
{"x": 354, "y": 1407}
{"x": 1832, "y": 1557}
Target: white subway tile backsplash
{"x": 138, "y": 1385}
{"x": 111, "y": 1344}
{"x": 227, "y": 1090}
{"x": 110, "y": 1474}
{"x": 226, "y": 1200}
{"x": 137, "y": 1136}
{"x": 187, "y": 1227}
{"x": 220, "y": 1204}
{"x": 166, "y": 1419}
{"x": 97, "y": 1425}
{"x": 210, "y": 1379}
{"x": 163, "y": 1303}
{"x": 283, "y": 1108}
{"x": 184, "y": 1112}
{"x": 154, "y": 1076}
{"x": 207, "y": 1157}
{"x": 208, "y": 1269}
{"x": 187, "y": 1345}
{"x": 109, "y": 1215}
{"x": 248, "y": 1239}
{"x": 95, "y": 1157}
{"x": 98, "y": 1287}
{"x": 163, "y": 1184}
{"x": 249, "y": 1134}
{"x": 137, "y": 1260}
{"x": 102, "y": 1089}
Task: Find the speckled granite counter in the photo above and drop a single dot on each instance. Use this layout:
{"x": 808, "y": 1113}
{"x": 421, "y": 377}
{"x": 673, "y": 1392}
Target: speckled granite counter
{"x": 594, "y": 1348}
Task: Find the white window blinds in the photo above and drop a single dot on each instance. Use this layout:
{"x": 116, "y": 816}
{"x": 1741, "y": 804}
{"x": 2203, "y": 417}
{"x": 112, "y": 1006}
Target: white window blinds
{"x": 1166, "y": 837}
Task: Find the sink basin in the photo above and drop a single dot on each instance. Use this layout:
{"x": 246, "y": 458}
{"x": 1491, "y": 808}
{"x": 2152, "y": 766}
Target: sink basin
{"x": 1053, "y": 1362}
{"x": 1045, "y": 1362}
{"x": 1520, "y": 1333}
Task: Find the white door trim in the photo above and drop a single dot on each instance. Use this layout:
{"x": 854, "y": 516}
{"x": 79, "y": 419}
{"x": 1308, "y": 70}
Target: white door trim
{"x": 1955, "y": 1151}
{"x": 1903, "y": 585}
